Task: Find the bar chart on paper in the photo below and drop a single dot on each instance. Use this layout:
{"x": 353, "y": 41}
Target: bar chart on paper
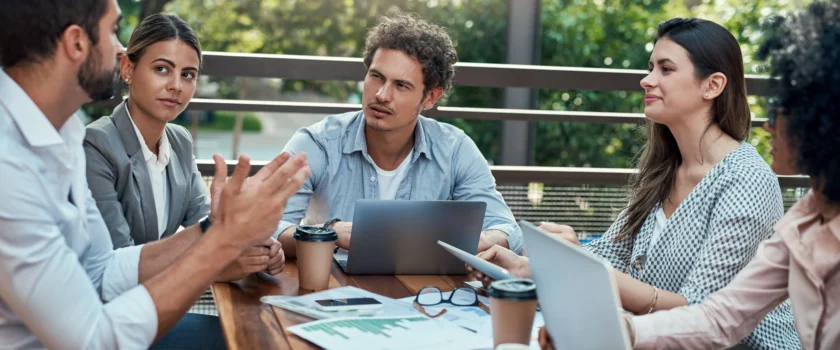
{"x": 410, "y": 332}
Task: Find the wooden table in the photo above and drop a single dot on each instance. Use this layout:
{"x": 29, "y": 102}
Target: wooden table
{"x": 250, "y": 324}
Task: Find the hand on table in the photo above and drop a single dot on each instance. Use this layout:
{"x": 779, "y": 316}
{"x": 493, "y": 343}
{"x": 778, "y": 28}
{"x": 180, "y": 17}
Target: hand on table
{"x": 565, "y": 232}
{"x": 344, "y": 230}
{"x": 252, "y": 260}
{"x": 268, "y": 256}
{"x": 276, "y": 257}
{"x": 505, "y": 258}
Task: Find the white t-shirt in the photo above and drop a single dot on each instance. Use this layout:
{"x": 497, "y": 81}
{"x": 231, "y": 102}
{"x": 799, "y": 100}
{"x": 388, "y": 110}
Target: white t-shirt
{"x": 389, "y": 181}
{"x": 658, "y": 226}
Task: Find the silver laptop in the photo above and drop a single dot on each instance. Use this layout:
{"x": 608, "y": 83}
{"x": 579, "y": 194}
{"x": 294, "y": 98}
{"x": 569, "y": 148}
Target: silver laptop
{"x": 577, "y": 293}
{"x": 396, "y": 237}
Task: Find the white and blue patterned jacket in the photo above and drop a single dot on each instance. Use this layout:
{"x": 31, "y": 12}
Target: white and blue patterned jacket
{"x": 711, "y": 236}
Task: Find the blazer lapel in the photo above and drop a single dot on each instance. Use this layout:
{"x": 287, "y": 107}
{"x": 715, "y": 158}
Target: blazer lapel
{"x": 140, "y": 174}
{"x": 177, "y": 183}
{"x": 143, "y": 185}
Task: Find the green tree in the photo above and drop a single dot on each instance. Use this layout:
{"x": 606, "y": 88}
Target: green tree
{"x": 607, "y": 34}
{"x": 582, "y": 33}
{"x": 618, "y": 34}
{"x": 338, "y": 28}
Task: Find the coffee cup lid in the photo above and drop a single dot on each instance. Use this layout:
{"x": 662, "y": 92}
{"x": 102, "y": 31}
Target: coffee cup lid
{"x": 315, "y": 234}
{"x": 515, "y": 289}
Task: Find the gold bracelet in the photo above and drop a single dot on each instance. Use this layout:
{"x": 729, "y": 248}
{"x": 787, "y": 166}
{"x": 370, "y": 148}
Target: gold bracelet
{"x": 655, "y": 298}
{"x": 650, "y": 304}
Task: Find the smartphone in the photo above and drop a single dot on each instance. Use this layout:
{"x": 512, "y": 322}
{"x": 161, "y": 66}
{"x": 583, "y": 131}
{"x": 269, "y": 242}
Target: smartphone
{"x": 487, "y": 268}
{"x": 348, "y": 304}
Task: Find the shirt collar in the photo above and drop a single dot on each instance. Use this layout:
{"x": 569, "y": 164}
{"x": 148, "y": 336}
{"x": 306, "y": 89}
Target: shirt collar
{"x": 148, "y": 155}
{"x": 31, "y": 121}
{"x": 804, "y": 210}
{"x": 801, "y": 211}
{"x": 834, "y": 226}
{"x": 358, "y": 143}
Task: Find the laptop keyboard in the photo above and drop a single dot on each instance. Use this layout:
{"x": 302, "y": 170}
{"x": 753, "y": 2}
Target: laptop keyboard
{"x": 343, "y": 264}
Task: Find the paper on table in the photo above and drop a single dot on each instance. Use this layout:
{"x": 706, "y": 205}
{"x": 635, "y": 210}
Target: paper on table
{"x": 469, "y": 317}
{"x": 305, "y": 305}
{"x": 475, "y": 319}
{"x": 407, "y": 332}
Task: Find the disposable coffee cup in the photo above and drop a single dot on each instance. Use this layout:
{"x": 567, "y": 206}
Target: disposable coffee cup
{"x": 315, "y": 246}
{"x": 513, "y": 304}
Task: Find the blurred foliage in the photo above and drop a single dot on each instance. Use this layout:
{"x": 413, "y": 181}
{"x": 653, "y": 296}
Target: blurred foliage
{"x": 619, "y": 34}
{"x": 582, "y": 33}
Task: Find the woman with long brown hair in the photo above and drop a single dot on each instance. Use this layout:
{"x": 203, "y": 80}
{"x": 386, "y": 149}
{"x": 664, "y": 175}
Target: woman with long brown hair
{"x": 703, "y": 199}
{"x": 802, "y": 260}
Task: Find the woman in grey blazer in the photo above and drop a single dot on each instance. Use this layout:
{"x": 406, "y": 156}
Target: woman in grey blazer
{"x": 140, "y": 168}
{"x": 703, "y": 199}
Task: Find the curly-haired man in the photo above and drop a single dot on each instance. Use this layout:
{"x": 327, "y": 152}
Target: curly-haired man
{"x": 388, "y": 150}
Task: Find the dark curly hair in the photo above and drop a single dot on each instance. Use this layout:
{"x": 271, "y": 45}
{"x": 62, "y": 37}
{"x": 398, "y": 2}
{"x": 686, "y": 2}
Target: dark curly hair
{"x": 428, "y": 43}
{"x": 804, "y": 50}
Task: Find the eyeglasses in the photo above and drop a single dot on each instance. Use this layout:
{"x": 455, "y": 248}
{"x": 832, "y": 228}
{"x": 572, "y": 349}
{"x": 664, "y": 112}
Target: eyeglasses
{"x": 431, "y": 296}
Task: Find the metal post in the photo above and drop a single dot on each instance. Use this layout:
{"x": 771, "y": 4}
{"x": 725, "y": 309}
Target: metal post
{"x": 523, "y": 47}
{"x": 240, "y": 117}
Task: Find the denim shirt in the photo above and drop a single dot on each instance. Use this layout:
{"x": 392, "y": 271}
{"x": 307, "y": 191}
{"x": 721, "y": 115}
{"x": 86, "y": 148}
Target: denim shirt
{"x": 445, "y": 165}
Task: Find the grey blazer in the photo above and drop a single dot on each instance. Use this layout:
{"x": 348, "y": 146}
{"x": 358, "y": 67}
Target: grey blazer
{"x": 119, "y": 180}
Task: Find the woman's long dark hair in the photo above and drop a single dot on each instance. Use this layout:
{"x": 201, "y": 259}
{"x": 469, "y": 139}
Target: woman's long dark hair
{"x": 711, "y": 48}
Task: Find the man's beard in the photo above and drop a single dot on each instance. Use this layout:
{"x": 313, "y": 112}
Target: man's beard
{"x": 97, "y": 84}
{"x": 416, "y": 115}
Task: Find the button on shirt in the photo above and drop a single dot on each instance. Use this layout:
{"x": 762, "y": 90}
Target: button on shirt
{"x": 445, "y": 165}
{"x": 157, "y": 173}
{"x": 62, "y": 286}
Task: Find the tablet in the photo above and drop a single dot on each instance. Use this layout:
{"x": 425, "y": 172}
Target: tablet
{"x": 487, "y": 268}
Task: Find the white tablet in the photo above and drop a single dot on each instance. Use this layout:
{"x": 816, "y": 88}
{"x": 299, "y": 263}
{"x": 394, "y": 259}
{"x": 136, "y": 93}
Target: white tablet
{"x": 493, "y": 271}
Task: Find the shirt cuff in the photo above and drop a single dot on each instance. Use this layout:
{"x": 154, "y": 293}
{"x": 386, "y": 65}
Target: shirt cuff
{"x": 122, "y": 272}
{"x": 643, "y": 327}
{"x": 135, "y": 318}
{"x": 514, "y": 233}
{"x": 281, "y": 227}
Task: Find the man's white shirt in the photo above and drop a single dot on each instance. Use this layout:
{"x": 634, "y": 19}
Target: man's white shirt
{"x": 62, "y": 286}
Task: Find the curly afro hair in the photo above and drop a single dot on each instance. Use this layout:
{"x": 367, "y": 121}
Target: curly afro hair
{"x": 428, "y": 43}
{"x": 804, "y": 52}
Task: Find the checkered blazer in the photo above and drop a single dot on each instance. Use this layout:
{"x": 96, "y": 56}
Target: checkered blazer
{"x": 711, "y": 236}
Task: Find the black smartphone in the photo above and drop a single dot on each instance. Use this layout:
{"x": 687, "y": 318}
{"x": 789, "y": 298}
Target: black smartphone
{"x": 348, "y": 304}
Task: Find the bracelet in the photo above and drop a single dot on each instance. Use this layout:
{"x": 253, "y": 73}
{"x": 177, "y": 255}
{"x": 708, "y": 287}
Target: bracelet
{"x": 655, "y": 299}
{"x": 331, "y": 222}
